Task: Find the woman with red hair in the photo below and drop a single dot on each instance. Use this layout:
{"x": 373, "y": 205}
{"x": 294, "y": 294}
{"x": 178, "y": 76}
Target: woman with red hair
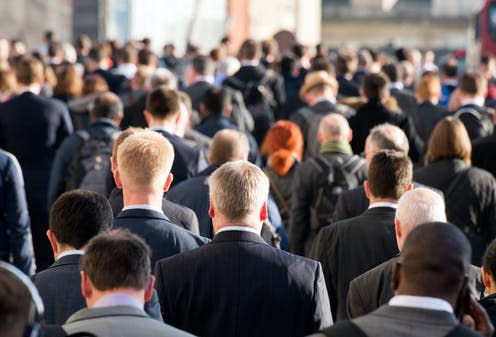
{"x": 283, "y": 149}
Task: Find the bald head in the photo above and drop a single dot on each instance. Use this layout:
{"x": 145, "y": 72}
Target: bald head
{"x": 434, "y": 262}
{"x": 334, "y": 127}
{"x": 385, "y": 137}
{"x": 416, "y": 207}
{"x": 228, "y": 145}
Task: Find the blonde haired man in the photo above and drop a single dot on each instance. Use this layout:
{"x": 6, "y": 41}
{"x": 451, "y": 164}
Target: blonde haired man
{"x": 238, "y": 285}
{"x": 144, "y": 161}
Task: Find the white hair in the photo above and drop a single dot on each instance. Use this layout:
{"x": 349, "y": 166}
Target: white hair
{"x": 159, "y": 77}
{"x": 418, "y": 206}
{"x": 238, "y": 189}
{"x": 334, "y": 127}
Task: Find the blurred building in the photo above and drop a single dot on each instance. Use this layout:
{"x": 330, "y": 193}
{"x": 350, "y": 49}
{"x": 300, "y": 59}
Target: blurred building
{"x": 436, "y": 24}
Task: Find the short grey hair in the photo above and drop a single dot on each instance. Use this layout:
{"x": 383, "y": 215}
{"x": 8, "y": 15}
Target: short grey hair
{"x": 334, "y": 127}
{"x": 161, "y": 77}
{"x": 389, "y": 137}
{"x": 418, "y": 206}
{"x": 238, "y": 189}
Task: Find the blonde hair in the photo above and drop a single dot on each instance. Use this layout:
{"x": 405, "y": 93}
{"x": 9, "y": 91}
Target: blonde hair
{"x": 238, "y": 189}
{"x": 144, "y": 160}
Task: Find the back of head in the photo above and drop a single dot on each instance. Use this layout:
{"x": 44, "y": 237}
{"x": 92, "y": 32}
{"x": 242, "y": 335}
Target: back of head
{"x": 393, "y": 71}
{"x": 16, "y": 304}
{"x": 79, "y": 215}
{"x": 472, "y": 83}
{"x": 161, "y": 77}
{"x": 388, "y": 137}
{"x": 118, "y": 259}
{"x": 238, "y": 189}
{"x": 390, "y": 173}
{"x": 435, "y": 260}
{"x": 428, "y": 87}
{"x": 489, "y": 260}
{"x": 144, "y": 160}
{"x": 449, "y": 69}
{"x": 216, "y": 100}
{"x": 285, "y": 135}
{"x": 250, "y": 50}
{"x": 228, "y": 65}
{"x": 375, "y": 86}
{"x": 346, "y": 63}
{"x": 334, "y": 127}
{"x": 28, "y": 70}
{"x": 228, "y": 145}
{"x": 146, "y": 57}
{"x": 122, "y": 136}
{"x": 96, "y": 54}
{"x": 418, "y": 206}
{"x": 108, "y": 105}
{"x": 449, "y": 140}
{"x": 94, "y": 84}
{"x": 203, "y": 65}
{"x": 163, "y": 103}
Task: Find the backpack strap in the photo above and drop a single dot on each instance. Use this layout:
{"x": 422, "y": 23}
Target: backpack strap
{"x": 470, "y": 111}
{"x": 344, "y": 329}
{"x": 353, "y": 164}
{"x": 278, "y": 193}
{"x": 84, "y": 135}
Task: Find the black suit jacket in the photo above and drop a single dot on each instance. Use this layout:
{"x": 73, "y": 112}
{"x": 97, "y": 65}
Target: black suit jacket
{"x": 406, "y": 100}
{"x": 164, "y": 238}
{"x": 188, "y": 161}
{"x": 373, "y": 288}
{"x": 426, "y": 118}
{"x": 133, "y": 114}
{"x": 239, "y": 286}
{"x": 350, "y": 204}
{"x": 350, "y": 247}
{"x": 484, "y": 153}
{"x": 178, "y": 214}
{"x": 374, "y": 113}
{"x": 32, "y": 127}
{"x": 197, "y": 92}
{"x": 60, "y": 289}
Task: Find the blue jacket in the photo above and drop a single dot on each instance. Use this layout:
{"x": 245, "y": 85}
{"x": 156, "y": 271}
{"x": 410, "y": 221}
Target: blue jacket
{"x": 15, "y": 227}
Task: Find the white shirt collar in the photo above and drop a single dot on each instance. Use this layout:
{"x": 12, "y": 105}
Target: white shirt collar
{"x": 206, "y": 78}
{"x": 383, "y": 204}
{"x": 472, "y": 101}
{"x": 325, "y": 99}
{"x": 421, "y": 302}
{"x": 143, "y": 206}
{"x": 238, "y": 228}
{"x": 71, "y": 252}
{"x": 396, "y": 85}
{"x": 34, "y": 88}
{"x": 117, "y": 299}
{"x": 163, "y": 128}
{"x": 249, "y": 63}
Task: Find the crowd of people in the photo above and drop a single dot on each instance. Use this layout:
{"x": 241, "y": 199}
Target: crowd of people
{"x": 250, "y": 192}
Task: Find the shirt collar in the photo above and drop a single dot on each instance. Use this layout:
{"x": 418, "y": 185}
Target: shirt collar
{"x": 253, "y": 63}
{"x": 472, "y": 101}
{"x": 71, "y": 252}
{"x": 383, "y": 204}
{"x": 396, "y": 85}
{"x": 238, "y": 228}
{"x": 206, "y": 78}
{"x": 421, "y": 302}
{"x": 117, "y": 299}
{"x": 143, "y": 206}
{"x": 325, "y": 99}
{"x": 162, "y": 128}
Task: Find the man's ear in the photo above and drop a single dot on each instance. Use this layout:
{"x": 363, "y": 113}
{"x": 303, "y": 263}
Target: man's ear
{"x": 350, "y": 136}
{"x": 168, "y": 182}
{"x": 263, "y": 212}
{"x": 53, "y": 242}
{"x": 211, "y": 211}
{"x": 366, "y": 188}
{"x": 397, "y": 228}
{"x": 117, "y": 177}
{"x": 148, "y": 117}
{"x": 486, "y": 278}
{"x": 409, "y": 187}
{"x": 149, "y": 288}
{"x": 202, "y": 110}
{"x": 86, "y": 285}
{"x": 228, "y": 111}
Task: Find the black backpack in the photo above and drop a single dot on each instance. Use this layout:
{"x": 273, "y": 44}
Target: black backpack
{"x": 90, "y": 166}
{"x": 260, "y": 102}
{"x": 335, "y": 177}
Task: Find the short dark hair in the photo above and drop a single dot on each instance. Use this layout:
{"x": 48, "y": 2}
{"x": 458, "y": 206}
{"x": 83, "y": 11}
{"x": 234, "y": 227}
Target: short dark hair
{"x": 96, "y": 54}
{"x": 163, "y": 103}
{"x": 107, "y": 105}
{"x": 390, "y": 173}
{"x": 16, "y": 304}
{"x": 472, "y": 83}
{"x": 145, "y": 57}
{"x": 489, "y": 260}
{"x": 393, "y": 71}
{"x": 299, "y": 50}
{"x": 216, "y": 100}
{"x": 28, "y": 70}
{"x": 203, "y": 65}
{"x": 375, "y": 86}
{"x": 118, "y": 259}
{"x": 346, "y": 63}
{"x": 450, "y": 70}
{"x": 250, "y": 50}
{"x": 79, "y": 215}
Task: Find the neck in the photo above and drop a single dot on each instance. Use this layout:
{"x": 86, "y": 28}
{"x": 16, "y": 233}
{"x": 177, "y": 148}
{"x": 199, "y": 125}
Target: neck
{"x": 138, "y": 295}
{"x": 373, "y": 200}
{"x": 151, "y": 198}
{"x": 219, "y": 222}
{"x": 162, "y": 123}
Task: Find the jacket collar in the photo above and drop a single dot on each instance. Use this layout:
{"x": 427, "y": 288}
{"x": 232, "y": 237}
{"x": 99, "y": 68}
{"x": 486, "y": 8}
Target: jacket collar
{"x": 72, "y": 259}
{"x": 117, "y": 310}
{"x": 237, "y": 236}
{"x": 142, "y": 213}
